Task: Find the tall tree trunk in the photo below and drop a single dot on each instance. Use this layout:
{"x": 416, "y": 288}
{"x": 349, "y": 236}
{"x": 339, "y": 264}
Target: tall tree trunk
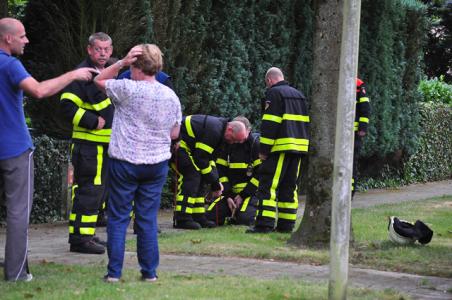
{"x": 3, "y": 8}
{"x": 316, "y": 224}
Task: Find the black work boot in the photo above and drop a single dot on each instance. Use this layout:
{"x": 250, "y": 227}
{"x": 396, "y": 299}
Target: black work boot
{"x": 98, "y": 241}
{"x": 259, "y": 229}
{"x": 205, "y": 223}
{"x": 90, "y": 247}
{"x": 186, "y": 224}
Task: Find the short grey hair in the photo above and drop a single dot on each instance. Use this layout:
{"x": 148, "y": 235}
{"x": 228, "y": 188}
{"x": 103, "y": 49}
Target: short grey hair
{"x": 101, "y": 36}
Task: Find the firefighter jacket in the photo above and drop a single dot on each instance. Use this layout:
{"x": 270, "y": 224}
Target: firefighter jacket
{"x": 202, "y": 137}
{"x": 362, "y": 113}
{"x": 285, "y": 120}
{"x": 82, "y": 103}
{"x": 238, "y": 166}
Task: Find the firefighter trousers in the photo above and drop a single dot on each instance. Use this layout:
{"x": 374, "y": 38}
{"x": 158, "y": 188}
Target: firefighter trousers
{"x": 190, "y": 202}
{"x": 89, "y": 191}
{"x": 356, "y": 151}
{"x": 277, "y": 191}
{"x": 218, "y": 212}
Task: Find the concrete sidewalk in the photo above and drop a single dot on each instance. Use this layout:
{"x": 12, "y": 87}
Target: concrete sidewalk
{"x": 48, "y": 243}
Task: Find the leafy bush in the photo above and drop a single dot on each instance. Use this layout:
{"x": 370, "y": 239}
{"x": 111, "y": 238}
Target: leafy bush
{"x": 436, "y": 91}
{"x": 50, "y": 184}
{"x": 432, "y": 159}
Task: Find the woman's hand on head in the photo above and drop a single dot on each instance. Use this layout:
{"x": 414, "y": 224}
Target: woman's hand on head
{"x": 131, "y": 57}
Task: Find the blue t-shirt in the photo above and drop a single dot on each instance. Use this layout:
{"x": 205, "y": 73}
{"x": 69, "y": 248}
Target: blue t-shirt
{"x": 14, "y": 135}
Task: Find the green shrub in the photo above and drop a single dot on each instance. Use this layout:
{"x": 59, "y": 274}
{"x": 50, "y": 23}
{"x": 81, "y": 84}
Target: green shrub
{"x": 432, "y": 159}
{"x": 436, "y": 91}
{"x": 50, "y": 189}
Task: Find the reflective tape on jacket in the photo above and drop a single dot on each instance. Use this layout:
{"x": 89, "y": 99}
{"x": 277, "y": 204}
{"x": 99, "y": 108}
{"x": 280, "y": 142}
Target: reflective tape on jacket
{"x": 204, "y": 147}
{"x": 188, "y": 127}
{"x": 93, "y": 135}
{"x": 85, "y": 105}
{"x": 287, "y": 144}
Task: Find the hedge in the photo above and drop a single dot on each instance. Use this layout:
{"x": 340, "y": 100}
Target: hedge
{"x": 432, "y": 160}
{"x": 50, "y": 184}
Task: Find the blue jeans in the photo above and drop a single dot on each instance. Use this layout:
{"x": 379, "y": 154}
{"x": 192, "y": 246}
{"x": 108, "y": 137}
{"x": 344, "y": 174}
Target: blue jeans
{"x": 142, "y": 184}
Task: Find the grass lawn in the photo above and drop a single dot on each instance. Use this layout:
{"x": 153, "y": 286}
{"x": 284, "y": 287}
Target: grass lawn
{"x": 372, "y": 248}
{"x": 54, "y": 281}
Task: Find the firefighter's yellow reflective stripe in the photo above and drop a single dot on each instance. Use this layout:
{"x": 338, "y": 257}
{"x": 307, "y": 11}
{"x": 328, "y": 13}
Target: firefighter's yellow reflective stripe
{"x": 90, "y": 137}
{"x": 100, "y": 160}
{"x": 276, "y": 178}
{"x": 198, "y": 210}
{"x": 289, "y": 147}
{"x": 256, "y": 162}
{"x": 188, "y": 210}
{"x": 293, "y": 205}
{"x": 102, "y": 135}
{"x": 212, "y": 205}
{"x": 245, "y": 204}
{"x": 270, "y": 214}
{"x": 364, "y": 120}
{"x": 184, "y": 145}
{"x": 298, "y": 118}
{"x": 101, "y": 105}
{"x": 72, "y": 217}
{"x": 224, "y": 179}
{"x": 73, "y": 192}
{"x": 240, "y": 185}
{"x": 87, "y": 230}
{"x": 363, "y": 99}
{"x": 295, "y": 141}
{"x": 222, "y": 162}
{"x": 254, "y": 181}
{"x": 89, "y": 219}
{"x": 355, "y": 126}
{"x": 266, "y": 141}
{"x": 286, "y": 216}
{"x": 272, "y": 118}
{"x": 204, "y": 147}
{"x": 270, "y": 203}
{"x": 206, "y": 170}
{"x": 79, "y": 102}
{"x": 100, "y": 132}
{"x": 238, "y": 165}
{"x": 71, "y": 229}
{"x": 78, "y": 116}
{"x": 72, "y": 97}
{"x": 190, "y": 200}
{"x": 199, "y": 200}
{"x": 290, "y": 144}
{"x": 188, "y": 127}
{"x": 237, "y": 190}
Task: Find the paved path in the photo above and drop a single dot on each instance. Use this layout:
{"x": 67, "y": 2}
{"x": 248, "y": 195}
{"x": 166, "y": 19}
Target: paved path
{"x": 49, "y": 243}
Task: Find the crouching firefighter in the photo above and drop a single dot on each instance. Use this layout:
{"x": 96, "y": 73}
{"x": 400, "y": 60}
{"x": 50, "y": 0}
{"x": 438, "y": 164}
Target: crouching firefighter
{"x": 238, "y": 167}
{"x": 201, "y": 138}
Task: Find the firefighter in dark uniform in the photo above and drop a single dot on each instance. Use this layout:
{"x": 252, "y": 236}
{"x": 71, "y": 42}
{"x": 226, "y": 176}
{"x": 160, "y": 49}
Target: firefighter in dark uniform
{"x": 284, "y": 139}
{"x": 238, "y": 169}
{"x": 362, "y": 116}
{"x": 91, "y": 114}
{"x": 201, "y": 137}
